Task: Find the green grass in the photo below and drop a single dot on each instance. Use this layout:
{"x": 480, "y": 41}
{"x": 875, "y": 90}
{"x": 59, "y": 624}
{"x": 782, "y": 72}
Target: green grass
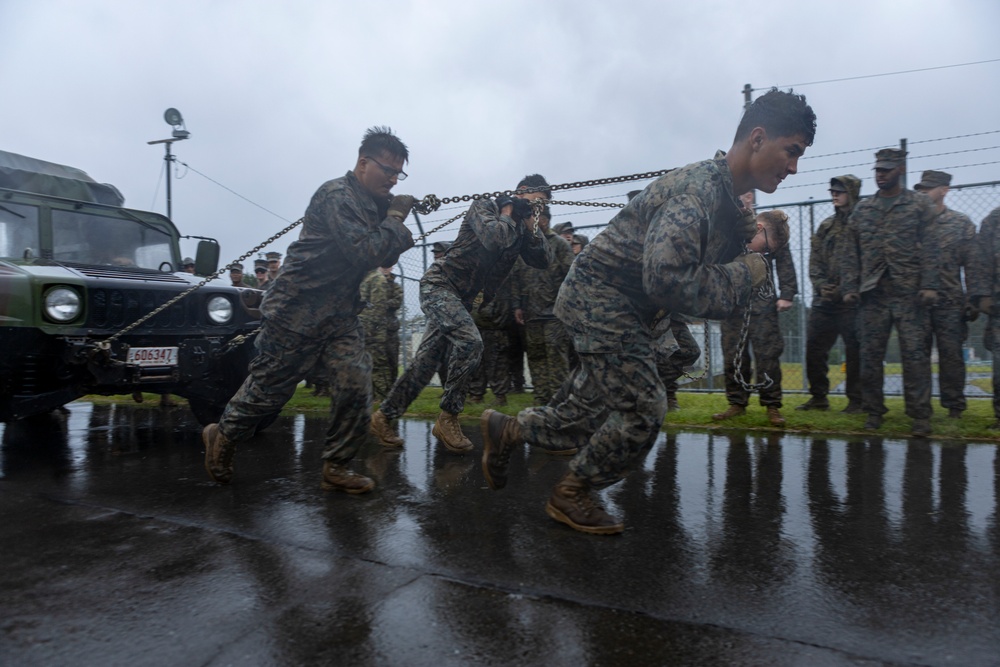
{"x": 696, "y": 412}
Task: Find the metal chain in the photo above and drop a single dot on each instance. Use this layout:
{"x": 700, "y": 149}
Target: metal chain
{"x": 106, "y": 343}
{"x": 765, "y": 292}
{"x": 708, "y": 355}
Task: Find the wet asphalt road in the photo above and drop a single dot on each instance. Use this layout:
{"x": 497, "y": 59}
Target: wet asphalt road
{"x": 738, "y": 550}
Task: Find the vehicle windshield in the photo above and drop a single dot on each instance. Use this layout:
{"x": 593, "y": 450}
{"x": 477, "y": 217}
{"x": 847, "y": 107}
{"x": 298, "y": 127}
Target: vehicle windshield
{"x": 18, "y": 231}
{"x": 89, "y": 238}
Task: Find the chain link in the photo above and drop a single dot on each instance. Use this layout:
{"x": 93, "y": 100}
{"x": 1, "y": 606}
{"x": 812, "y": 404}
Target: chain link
{"x": 765, "y": 292}
{"x": 707, "y": 347}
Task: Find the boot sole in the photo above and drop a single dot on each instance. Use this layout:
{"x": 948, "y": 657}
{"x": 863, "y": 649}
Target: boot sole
{"x": 326, "y": 486}
{"x": 484, "y": 430}
{"x": 436, "y": 432}
{"x": 592, "y": 530}
{"x": 208, "y": 466}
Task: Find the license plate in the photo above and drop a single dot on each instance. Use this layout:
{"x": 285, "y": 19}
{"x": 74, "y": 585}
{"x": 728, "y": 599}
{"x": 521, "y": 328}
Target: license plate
{"x": 152, "y": 356}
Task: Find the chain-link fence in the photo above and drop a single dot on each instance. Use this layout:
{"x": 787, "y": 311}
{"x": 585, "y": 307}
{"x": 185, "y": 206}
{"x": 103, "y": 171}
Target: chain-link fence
{"x": 975, "y": 200}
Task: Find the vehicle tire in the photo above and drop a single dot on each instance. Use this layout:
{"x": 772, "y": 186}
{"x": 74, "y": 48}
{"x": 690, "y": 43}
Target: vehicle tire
{"x": 207, "y": 412}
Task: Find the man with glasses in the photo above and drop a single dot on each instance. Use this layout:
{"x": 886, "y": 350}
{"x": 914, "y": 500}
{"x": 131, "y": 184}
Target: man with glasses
{"x": 310, "y": 314}
{"x": 829, "y": 316}
{"x": 493, "y": 235}
{"x": 891, "y": 266}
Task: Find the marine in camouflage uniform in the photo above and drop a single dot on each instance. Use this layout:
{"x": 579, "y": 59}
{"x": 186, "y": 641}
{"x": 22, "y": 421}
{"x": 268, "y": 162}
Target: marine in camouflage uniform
{"x": 763, "y": 338}
{"x": 311, "y": 312}
{"x": 671, "y": 360}
{"x": 535, "y": 292}
{"x": 955, "y": 234}
{"x": 383, "y": 302}
{"x": 676, "y": 247}
{"x": 893, "y": 265}
{"x": 829, "y": 316}
{"x": 984, "y": 290}
{"x": 493, "y": 320}
{"x": 393, "y": 302}
{"x": 492, "y": 236}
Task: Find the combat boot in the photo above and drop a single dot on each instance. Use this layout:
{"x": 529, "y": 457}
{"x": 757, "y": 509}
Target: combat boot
{"x": 921, "y": 427}
{"x": 873, "y": 423}
{"x": 219, "y": 453}
{"x": 732, "y": 411}
{"x": 449, "y": 431}
{"x": 474, "y": 399}
{"x": 500, "y": 400}
{"x": 338, "y": 478}
{"x": 815, "y": 403}
{"x": 955, "y": 413}
{"x": 774, "y": 416}
{"x": 853, "y": 408}
{"x": 572, "y": 504}
{"x": 672, "y": 404}
{"x": 383, "y": 431}
{"x": 501, "y": 435}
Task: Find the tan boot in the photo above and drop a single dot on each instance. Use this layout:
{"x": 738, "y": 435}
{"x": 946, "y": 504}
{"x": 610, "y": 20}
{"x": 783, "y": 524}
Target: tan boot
{"x": 733, "y": 411}
{"x": 339, "y": 478}
{"x": 219, "y": 453}
{"x": 449, "y": 431}
{"x": 383, "y": 431}
{"x": 774, "y": 416}
{"x": 501, "y": 435}
{"x": 572, "y": 504}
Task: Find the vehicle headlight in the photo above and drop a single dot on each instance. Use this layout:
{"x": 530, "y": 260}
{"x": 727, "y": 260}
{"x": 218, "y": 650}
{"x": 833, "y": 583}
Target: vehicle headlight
{"x": 62, "y": 304}
{"x": 220, "y": 309}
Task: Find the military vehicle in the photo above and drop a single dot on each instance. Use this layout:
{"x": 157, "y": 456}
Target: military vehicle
{"x": 76, "y": 269}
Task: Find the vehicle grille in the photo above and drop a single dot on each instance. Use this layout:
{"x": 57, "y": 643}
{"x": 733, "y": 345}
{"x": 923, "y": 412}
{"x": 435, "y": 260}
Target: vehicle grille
{"x": 110, "y": 308}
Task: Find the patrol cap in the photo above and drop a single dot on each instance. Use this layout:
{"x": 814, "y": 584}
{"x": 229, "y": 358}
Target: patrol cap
{"x": 836, "y": 185}
{"x": 563, "y": 227}
{"x": 581, "y": 239}
{"x": 889, "y": 158}
{"x": 236, "y": 266}
{"x": 931, "y": 179}
{"x": 260, "y": 265}
{"x": 440, "y": 246}
{"x": 273, "y": 256}
{"x": 187, "y": 262}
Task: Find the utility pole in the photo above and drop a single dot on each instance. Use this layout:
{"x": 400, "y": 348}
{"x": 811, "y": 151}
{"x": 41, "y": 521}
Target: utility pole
{"x": 172, "y": 117}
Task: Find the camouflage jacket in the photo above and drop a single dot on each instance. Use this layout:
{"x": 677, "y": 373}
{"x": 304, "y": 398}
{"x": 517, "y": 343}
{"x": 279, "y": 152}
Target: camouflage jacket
{"x": 955, "y": 236}
{"x": 383, "y": 298}
{"x": 481, "y": 257}
{"x": 827, "y": 246}
{"x": 535, "y": 290}
{"x": 498, "y": 312}
{"x": 891, "y": 243}
{"x": 986, "y": 281}
{"x": 345, "y": 234}
{"x": 787, "y": 285}
{"x": 670, "y": 249}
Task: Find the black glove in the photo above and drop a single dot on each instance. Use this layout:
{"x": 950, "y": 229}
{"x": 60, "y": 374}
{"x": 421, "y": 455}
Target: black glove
{"x": 522, "y": 210}
{"x": 502, "y": 201}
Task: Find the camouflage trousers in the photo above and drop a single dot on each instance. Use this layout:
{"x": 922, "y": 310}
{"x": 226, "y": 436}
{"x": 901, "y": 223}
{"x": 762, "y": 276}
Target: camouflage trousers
{"x": 383, "y": 368}
{"x": 672, "y": 367}
{"x": 991, "y": 341}
{"x": 392, "y": 354}
{"x": 515, "y": 355}
{"x": 612, "y": 412}
{"x": 450, "y": 335}
{"x": 826, "y": 323}
{"x": 547, "y": 344}
{"x": 950, "y": 332}
{"x": 494, "y": 368}
{"x": 283, "y": 360}
{"x": 881, "y": 309}
{"x": 767, "y": 344}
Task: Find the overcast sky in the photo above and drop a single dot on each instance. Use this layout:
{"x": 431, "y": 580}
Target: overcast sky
{"x": 277, "y": 95}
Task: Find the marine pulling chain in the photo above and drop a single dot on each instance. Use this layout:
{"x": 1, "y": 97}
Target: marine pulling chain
{"x": 426, "y": 205}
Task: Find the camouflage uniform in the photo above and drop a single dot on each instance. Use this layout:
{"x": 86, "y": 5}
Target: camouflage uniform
{"x": 479, "y": 259}
{"x": 311, "y": 312}
{"x": 668, "y": 250}
{"x": 954, "y": 233}
{"x": 986, "y": 283}
{"x": 670, "y": 363}
{"x": 888, "y": 260}
{"x": 493, "y": 320}
{"x": 764, "y": 336}
{"x": 393, "y": 302}
{"x": 535, "y": 292}
{"x": 829, "y": 316}
{"x": 383, "y": 301}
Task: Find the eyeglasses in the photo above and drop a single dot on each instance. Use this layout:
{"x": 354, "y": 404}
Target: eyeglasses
{"x": 399, "y": 174}
{"x": 838, "y": 192}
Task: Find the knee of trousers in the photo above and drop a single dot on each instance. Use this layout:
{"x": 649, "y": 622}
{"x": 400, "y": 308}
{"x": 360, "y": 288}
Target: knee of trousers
{"x": 469, "y": 349}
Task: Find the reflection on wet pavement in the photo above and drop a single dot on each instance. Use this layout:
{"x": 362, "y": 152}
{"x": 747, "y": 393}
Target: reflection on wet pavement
{"x": 739, "y": 549}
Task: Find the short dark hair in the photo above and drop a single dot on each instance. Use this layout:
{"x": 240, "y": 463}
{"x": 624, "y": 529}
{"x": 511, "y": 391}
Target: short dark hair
{"x": 781, "y": 114}
{"x": 380, "y": 139}
{"x": 537, "y": 183}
